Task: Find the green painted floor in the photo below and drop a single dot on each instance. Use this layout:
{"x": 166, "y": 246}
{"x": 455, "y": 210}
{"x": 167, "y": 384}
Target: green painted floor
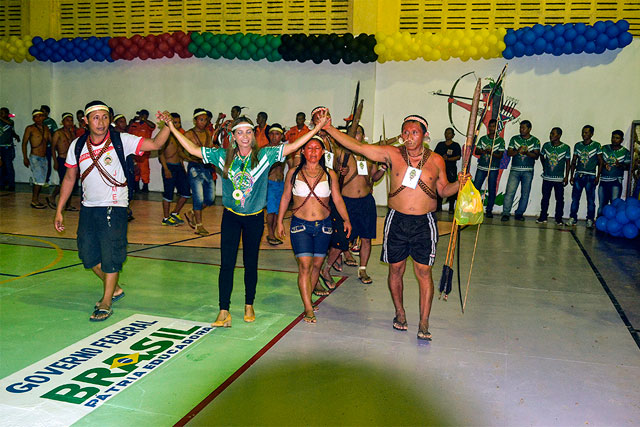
{"x": 48, "y": 312}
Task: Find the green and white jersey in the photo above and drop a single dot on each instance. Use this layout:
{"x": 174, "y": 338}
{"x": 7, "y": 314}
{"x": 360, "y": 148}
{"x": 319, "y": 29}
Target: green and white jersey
{"x": 609, "y": 157}
{"x": 250, "y": 179}
{"x": 522, "y": 162}
{"x": 587, "y": 157}
{"x": 485, "y": 143}
{"x": 554, "y": 161}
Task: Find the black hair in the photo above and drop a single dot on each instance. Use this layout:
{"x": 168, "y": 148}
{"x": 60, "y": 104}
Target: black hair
{"x": 209, "y": 114}
{"x": 618, "y": 132}
{"x": 141, "y": 112}
{"x": 490, "y": 122}
{"x": 45, "y": 108}
{"x": 558, "y": 130}
{"x": 589, "y": 127}
{"x": 175, "y": 115}
{"x": 262, "y": 113}
{"x": 199, "y": 110}
{"x": 237, "y": 108}
{"x": 303, "y": 161}
{"x": 527, "y": 123}
{"x": 111, "y": 113}
{"x": 81, "y": 112}
{"x": 4, "y": 109}
{"x": 301, "y": 113}
{"x": 36, "y": 111}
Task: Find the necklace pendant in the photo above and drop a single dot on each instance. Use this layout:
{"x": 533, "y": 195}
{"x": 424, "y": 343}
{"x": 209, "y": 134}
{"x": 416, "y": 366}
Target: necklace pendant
{"x": 237, "y": 195}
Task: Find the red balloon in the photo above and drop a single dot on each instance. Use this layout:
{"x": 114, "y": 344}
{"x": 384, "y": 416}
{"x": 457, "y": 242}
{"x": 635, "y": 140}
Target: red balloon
{"x": 171, "y": 41}
{"x": 135, "y": 38}
{"x": 113, "y": 42}
{"x": 120, "y": 50}
{"x": 128, "y": 56}
{"x": 169, "y": 54}
{"x": 149, "y": 47}
{"x": 164, "y": 36}
{"x": 143, "y": 55}
{"x": 163, "y": 47}
{"x": 151, "y": 38}
{"x": 134, "y": 50}
{"x": 114, "y": 55}
{"x": 126, "y": 42}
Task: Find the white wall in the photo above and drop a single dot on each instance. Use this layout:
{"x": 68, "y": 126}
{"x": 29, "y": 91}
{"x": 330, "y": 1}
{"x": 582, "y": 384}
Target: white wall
{"x": 567, "y": 91}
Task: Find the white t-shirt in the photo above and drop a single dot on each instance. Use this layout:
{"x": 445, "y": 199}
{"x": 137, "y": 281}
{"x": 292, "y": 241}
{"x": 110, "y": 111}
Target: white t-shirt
{"x": 96, "y": 190}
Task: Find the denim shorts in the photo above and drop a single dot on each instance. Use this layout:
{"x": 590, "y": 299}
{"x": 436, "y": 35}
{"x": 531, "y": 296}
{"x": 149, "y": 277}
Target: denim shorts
{"x": 310, "y": 238}
{"x": 102, "y": 237}
{"x": 202, "y": 185}
{"x": 178, "y": 181}
{"x": 38, "y": 169}
{"x": 274, "y": 194}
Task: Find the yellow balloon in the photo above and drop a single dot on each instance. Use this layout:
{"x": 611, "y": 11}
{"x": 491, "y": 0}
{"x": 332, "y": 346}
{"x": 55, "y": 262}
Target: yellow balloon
{"x": 502, "y": 31}
{"x": 426, "y": 49}
{"x": 446, "y": 42}
{"x": 445, "y": 57}
{"x": 465, "y": 42}
{"x": 389, "y": 42}
{"x": 436, "y": 39}
{"x": 478, "y": 40}
{"x": 435, "y": 55}
{"x": 501, "y": 46}
{"x": 381, "y": 37}
{"x": 492, "y": 39}
{"x": 471, "y": 51}
{"x": 380, "y": 49}
{"x": 457, "y": 34}
{"x": 476, "y": 57}
{"x": 464, "y": 58}
{"x": 455, "y": 44}
{"x": 414, "y": 47}
{"x": 484, "y": 49}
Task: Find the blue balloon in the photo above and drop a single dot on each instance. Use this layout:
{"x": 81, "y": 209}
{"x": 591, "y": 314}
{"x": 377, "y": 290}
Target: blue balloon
{"x": 590, "y": 47}
{"x": 609, "y": 23}
{"x": 67, "y": 58}
{"x": 602, "y": 40}
{"x": 559, "y": 41}
{"x": 540, "y": 45}
{"x": 518, "y": 49}
{"x": 38, "y": 39}
{"x": 558, "y": 29}
{"x": 34, "y": 51}
{"x": 601, "y": 223}
{"x": 612, "y": 44}
{"x": 570, "y": 34}
{"x": 77, "y": 41}
{"x": 580, "y": 28}
{"x": 633, "y": 202}
{"x": 630, "y": 231}
{"x": 600, "y": 26}
{"x": 621, "y": 217}
{"x": 110, "y": 59}
{"x": 612, "y": 31}
{"x": 508, "y": 53}
{"x": 624, "y": 39}
{"x": 549, "y": 35}
{"x": 557, "y": 51}
{"x": 50, "y": 42}
{"x": 92, "y": 40}
{"x": 578, "y": 43}
{"x": 538, "y": 29}
{"x": 105, "y": 50}
{"x": 567, "y": 48}
{"x": 549, "y": 48}
{"x": 528, "y": 37}
{"x": 55, "y": 57}
{"x": 638, "y": 222}
{"x": 90, "y": 51}
{"x": 632, "y": 211}
{"x": 83, "y": 44}
{"x": 590, "y": 34}
{"x": 617, "y": 233}
{"x": 510, "y": 38}
{"x": 613, "y": 226}
{"x": 616, "y": 203}
{"x": 609, "y": 211}
{"x": 623, "y": 25}
{"x": 529, "y": 50}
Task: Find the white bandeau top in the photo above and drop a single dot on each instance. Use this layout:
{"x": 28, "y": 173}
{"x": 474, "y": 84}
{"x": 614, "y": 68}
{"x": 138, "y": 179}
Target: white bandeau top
{"x": 301, "y": 189}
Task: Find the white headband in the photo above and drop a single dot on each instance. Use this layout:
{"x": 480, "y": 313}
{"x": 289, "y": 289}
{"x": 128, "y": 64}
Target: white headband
{"x": 95, "y": 108}
{"x": 242, "y": 125}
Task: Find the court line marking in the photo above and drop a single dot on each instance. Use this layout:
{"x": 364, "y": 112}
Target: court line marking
{"x": 59, "y": 255}
{"x": 608, "y": 291}
{"x": 222, "y": 387}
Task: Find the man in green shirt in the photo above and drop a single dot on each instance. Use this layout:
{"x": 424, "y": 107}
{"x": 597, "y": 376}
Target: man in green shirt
{"x": 555, "y": 157}
{"x": 490, "y": 148}
{"x": 615, "y": 160}
{"x": 525, "y": 149}
{"x": 585, "y": 173}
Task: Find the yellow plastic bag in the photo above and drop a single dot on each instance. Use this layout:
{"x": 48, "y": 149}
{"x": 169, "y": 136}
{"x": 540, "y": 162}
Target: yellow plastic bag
{"x": 469, "y": 208}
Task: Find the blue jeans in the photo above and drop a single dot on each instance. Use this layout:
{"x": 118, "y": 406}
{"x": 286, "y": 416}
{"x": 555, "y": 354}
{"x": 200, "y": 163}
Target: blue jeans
{"x": 493, "y": 185}
{"x": 202, "y": 185}
{"x": 608, "y": 191}
{"x": 517, "y": 178}
{"x": 7, "y": 172}
{"x": 558, "y": 189}
{"x": 310, "y": 238}
{"x": 588, "y": 184}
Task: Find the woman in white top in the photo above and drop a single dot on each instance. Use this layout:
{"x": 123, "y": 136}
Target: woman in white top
{"x": 311, "y": 185}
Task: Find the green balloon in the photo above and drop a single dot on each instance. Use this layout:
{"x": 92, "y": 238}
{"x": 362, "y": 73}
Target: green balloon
{"x": 199, "y": 53}
{"x": 252, "y": 48}
{"x": 228, "y": 54}
{"x": 222, "y": 47}
{"x": 237, "y": 36}
{"x": 255, "y": 56}
{"x": 244, "y": 55}
{"x": 235, "y": 48}
{"x": 214, "y": 54}
{"x": 215, "y": 39}
{"x": 260, "y": 42}
{"x": 260, "y": 53}
{"x": 229, "y": 41}
{"x": 275, "y": 42}
{"x": 207, "y": 36}
{"x": 196, "y": 38}
{"x": 276, "y": 55}
{"x": 192, "y": 47}
{"x": 245, "y": 41}
{"x": 206, "y": 47}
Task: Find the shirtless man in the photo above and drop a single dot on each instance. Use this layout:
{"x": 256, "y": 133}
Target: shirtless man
{"x": 39, "y": 137}
{"x": 275, "y": 186}
{"x": 173, "y": 176}
{"x": 200, "y": 175}
{"x": 417, "y": 176}
{"x": 361, "y": 206}
{"x": 61, "y": 140}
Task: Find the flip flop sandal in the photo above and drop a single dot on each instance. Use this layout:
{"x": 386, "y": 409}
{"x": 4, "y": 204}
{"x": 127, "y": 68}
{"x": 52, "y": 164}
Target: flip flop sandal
{"x": 191, "y": 220}
{"x": 399, "y": 326}
{"x": 351, "y": 262}
{"x": 38, "y": 206}
{"x": 51, "y": 204}
{"x": 310, "y": 319}
{"x": 425, "y": 336}
{"x": 113, "y": 299}
{"x": 337, "y": 267}
{"x": 101, "y": 311}
{"x": 364, "y": 277}
{"x": 273, "y": 242}
{"x": 321, "y": 292}
{"x": 326, "y": 283}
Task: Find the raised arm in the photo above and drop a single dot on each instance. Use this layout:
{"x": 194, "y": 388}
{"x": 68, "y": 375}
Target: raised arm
{"x": 156, "y": 143}
{"x": 298, "y": 143}
{"x": 376, "y": 153}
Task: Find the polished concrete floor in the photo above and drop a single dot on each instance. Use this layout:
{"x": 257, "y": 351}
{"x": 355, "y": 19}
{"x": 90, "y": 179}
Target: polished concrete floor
{"x": 548, "y": 336}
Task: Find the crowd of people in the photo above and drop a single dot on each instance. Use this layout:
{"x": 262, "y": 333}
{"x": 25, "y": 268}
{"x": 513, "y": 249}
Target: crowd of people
{"x": 319, "y": 172}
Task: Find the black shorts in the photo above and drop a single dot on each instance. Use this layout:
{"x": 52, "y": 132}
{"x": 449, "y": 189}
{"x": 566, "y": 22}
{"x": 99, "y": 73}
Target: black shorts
{"x": 339, "y": 237}
{"x": 102, "y": 237}
{"x": 363, "y": 216}
{"x": 409, "y": 235}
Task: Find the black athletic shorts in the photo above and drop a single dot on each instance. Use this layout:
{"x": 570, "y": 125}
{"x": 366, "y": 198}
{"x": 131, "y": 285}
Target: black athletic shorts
{"x": 409, "y": 235}
{"x": 339, "y": 238}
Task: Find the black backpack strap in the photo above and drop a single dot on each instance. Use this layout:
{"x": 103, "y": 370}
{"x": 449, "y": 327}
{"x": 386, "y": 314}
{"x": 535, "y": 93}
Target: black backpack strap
{"x": 78, "y": 148}
{"x": 116, "y": 141}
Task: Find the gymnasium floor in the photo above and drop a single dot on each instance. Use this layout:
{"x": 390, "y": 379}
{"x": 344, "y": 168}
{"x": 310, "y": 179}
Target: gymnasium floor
{"x": 548, "y": 336}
